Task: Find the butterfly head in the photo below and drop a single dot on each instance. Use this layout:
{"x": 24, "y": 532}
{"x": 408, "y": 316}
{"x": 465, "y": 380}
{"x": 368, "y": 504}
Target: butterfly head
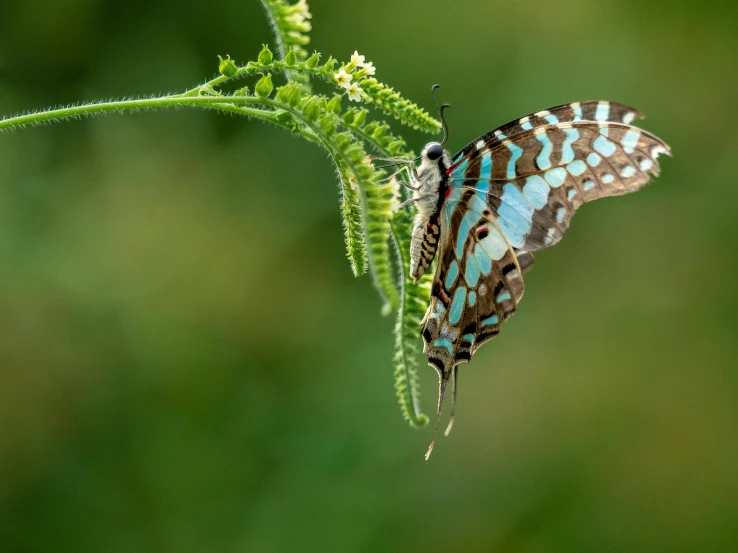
{"x": 433, "y": 151}
{"x": 434, "y": 160}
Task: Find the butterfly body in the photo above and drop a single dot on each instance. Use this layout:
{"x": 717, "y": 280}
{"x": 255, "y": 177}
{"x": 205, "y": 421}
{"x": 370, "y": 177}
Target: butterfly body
{"x": 505, "y": 195}
{"x": 431, "y": 183}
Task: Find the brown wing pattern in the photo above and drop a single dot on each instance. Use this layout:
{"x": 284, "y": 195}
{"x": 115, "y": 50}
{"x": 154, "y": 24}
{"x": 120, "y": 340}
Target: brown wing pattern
{"x": 536, "y": 179}
{"x": 514, "y": 191}
{"x": 477, "y": 286}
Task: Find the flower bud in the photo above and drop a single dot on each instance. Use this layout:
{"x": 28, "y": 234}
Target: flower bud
{"x": 265, "y": 56}
{"x": 264, "y": 87}
{"x": 290, "y": 58}
{"x": 335, "y": 104}
{"x": 227, "y": 67}
{"x": 312, "y": 61}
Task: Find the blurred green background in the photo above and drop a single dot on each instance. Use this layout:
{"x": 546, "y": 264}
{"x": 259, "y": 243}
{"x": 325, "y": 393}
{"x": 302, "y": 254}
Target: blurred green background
{"x": 187, "y": 364}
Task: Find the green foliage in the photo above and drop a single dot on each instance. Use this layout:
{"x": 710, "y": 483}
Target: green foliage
{"x": 413, "y": 302}
{"x": 367, "y": 196}
{"x": 290, "y": 25}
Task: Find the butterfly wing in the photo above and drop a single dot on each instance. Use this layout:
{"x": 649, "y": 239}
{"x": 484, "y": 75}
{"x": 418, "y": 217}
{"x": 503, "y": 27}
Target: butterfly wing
{"x": 538, "y": 170}
{"x": 477, "y": 286}
{"x": 514, "y": 191}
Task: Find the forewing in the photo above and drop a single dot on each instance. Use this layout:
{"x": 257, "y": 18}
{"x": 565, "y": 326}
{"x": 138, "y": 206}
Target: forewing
{"x": 477, "y": 283}
{"x": 537, "y": 171}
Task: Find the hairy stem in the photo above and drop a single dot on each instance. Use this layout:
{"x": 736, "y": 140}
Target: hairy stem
{"x": 98, "y": 108}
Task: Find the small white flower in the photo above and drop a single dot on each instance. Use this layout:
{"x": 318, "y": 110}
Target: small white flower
{"x": 369, "y": 68}
{"x": 355, "y": 93}
{"x": 357, "y": 59}
{"x": 343, "y": 79}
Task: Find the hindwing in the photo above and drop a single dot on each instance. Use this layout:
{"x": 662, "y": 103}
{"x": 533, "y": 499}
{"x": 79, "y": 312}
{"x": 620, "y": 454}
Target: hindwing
{"x": 476, "y": 287}
{"x": 477, "y": 284}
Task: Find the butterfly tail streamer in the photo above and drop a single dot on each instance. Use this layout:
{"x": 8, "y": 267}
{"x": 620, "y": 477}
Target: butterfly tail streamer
{"x": 455, "y": 385}
{"x": 443, "y": 378}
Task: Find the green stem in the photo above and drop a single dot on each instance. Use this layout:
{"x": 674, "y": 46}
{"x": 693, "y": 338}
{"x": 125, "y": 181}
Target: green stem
{"x": 130, "y": 105}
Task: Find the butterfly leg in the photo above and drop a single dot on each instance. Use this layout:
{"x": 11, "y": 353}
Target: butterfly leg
{"x": 407, "y": 202}
{"x": 443, "y": 378}
{"x": 393, "y": 175}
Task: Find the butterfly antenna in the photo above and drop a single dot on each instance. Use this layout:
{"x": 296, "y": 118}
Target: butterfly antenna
{"x": 443, "y": 378}
{"x": 454, "y": 385}
{"x": 440, "y": 113}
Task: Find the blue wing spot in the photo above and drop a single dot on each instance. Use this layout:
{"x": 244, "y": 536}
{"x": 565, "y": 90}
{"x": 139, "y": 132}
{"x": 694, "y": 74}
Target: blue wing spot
{"x": 560, "y": 214}
{"x": 630, "y": 140}
{"x": 588, "y": 185}
{"x": 453, "y": 272}
{"x": 646, "y": 164}
{"x": 536, "y": 191}
{"x": 486, "y": 170}
{"x": 517, "y": 151}
{"x": 603, "y": 111}
{"x": 458, "y": 173}
{"x": 463, "y": 232}
{"x": 471, "y": 274}
{"x": 551, "y": 119}
{"x": 593, "y": 159}
{"x": 571, "y": 194}
{"x": 604, "y": 146}
{"x": 444, "y": 344}
{"x": 628, "y": 171}
{"x": 515, "y": 209}
{"x": 457, "y": 305}
{"x": 544, "y": 158}
{"x": 467, "y": 222}
{"x": 607, "y": 178}
{"x": 526, "y": 126}
{"x": 472, "y": 297}
{"x": 494, "y": 245}
{"x": 493, "y": 320}
{"x": 438, "y": 310}
{"x": 478, "y": 202}
{"x": 567, "y": 151}
{"x": 605, "y": 131}
{"x": 469, "y": 337}
{"x": 513, "y": 235}
{"x": 502, "y": 297}
{"x": 577, "y": 167}
{"x": 483, "y": 260}
{"x": 555, "y": 177}
{"x": 578, "y": 114}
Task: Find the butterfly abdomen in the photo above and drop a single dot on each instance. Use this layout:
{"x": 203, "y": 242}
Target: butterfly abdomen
{"x": 424, "y": 244}
{"x": 429, "y": 198}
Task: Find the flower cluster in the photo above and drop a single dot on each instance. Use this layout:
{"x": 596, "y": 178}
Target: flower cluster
{"x": 356, "y": 69}
{"x": 297, "y": 15}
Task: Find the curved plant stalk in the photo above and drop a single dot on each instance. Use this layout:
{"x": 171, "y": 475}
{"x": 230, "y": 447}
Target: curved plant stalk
{"x": 367, "y": 202}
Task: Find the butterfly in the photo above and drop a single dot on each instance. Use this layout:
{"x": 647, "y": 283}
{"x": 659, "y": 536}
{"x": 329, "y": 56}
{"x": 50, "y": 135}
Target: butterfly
{"x": 484, "y": 211}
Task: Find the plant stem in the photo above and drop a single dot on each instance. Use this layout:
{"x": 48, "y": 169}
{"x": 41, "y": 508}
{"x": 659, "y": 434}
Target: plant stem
{"x": 130, "y": 105}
